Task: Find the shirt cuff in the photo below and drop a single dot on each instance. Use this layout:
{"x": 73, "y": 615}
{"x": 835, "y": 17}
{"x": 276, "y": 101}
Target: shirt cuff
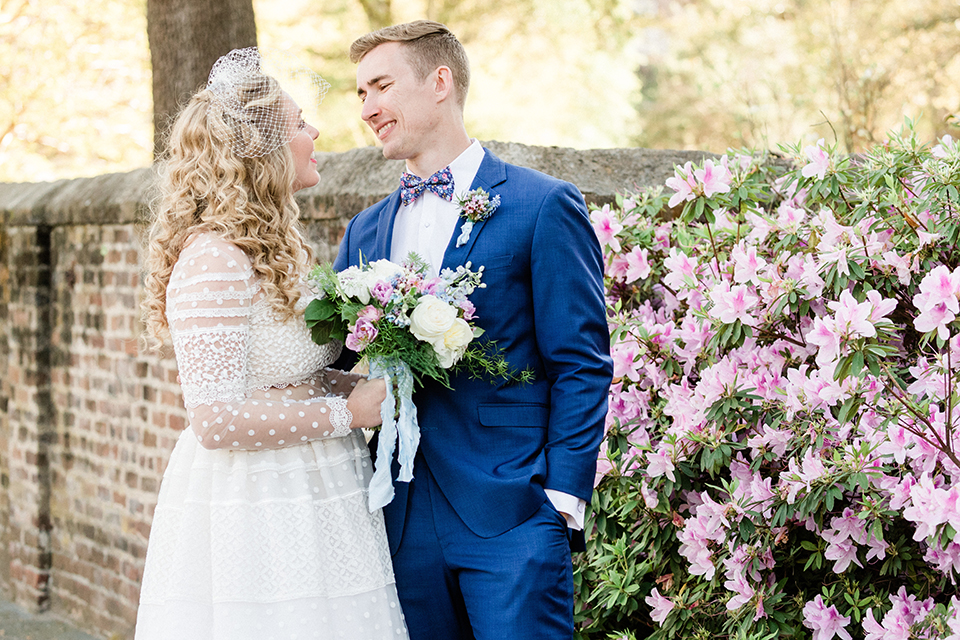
{"x": 571, "y": 507}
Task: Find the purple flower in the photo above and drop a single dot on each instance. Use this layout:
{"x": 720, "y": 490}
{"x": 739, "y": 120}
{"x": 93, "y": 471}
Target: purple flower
{"x": 369, "y": 314}
{"x": 469, "y": 311}
{"x": 431, "y": 287}
{"x": 363, "y": 333}
{"x": 382, "y": 292}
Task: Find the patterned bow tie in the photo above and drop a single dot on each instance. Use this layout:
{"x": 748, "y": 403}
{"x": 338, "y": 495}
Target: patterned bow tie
{"x": 412, "y": 187}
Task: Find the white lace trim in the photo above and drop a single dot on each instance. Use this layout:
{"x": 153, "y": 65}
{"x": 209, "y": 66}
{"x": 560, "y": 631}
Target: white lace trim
{"x": 340, "y": 416}
{"x": 197, "y": 395}
{"x": 177, "y": 315}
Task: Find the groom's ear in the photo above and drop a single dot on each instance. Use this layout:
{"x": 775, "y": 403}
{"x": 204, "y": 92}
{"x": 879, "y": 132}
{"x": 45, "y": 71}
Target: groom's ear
{"x": 443, "y": 87}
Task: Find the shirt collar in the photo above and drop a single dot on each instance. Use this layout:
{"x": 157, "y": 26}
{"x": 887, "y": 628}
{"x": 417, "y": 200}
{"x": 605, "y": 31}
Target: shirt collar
{"x": 464, "y": 168}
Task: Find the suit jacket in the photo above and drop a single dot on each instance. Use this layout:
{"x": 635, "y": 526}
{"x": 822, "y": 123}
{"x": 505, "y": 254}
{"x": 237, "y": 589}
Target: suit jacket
{"x": 494, "y": 448}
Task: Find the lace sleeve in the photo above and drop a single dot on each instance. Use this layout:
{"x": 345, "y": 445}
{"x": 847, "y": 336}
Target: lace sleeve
{"x": 209, "y": 302}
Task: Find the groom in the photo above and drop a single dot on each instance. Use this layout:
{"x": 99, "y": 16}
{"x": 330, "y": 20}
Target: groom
{"x": 480, "y": 536}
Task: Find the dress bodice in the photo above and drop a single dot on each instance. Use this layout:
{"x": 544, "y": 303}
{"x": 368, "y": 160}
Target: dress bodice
{"x": 235, "y": 354}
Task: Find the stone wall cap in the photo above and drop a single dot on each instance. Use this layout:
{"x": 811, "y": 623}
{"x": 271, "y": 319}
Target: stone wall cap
{"x": 350, "y": 181}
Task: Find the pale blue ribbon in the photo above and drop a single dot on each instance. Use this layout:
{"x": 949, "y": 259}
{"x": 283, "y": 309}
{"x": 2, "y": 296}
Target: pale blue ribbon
{"x": 404, "y": 430}
{"x": 465, "y": 233}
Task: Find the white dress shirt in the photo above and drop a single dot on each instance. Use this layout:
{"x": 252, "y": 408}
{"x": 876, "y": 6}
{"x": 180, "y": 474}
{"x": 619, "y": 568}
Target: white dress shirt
{"x": 425, "y": 226}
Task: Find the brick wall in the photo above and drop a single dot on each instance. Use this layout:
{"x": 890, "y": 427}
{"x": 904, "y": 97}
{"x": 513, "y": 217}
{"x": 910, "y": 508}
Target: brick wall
{"x": 88, "y": 416}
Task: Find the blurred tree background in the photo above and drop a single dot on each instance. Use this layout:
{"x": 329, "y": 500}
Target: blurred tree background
{"x": 75, "y": 75}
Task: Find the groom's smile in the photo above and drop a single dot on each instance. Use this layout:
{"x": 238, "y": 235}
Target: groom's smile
{"x": 382, "y": 131}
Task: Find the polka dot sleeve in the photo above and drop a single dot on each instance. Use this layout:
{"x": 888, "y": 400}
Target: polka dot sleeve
{"x": 209, "y": 300}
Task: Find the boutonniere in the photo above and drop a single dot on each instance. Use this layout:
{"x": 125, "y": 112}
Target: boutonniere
{"x": 474, "y": 206}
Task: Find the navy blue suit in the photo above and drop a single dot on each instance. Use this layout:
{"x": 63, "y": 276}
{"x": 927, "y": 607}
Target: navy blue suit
{"x": 490, "y": 450}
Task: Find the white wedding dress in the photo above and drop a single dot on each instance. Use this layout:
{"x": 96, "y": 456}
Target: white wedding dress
{"x": 261, "y": 529}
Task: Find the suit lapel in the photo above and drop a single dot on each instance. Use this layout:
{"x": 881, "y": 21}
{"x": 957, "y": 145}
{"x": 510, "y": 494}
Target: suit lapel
{"x": 388, "y": 216}
{"x": 491, "y": 174}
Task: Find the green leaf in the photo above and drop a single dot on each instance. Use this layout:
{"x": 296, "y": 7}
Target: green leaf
{"x": 747, "y": 529}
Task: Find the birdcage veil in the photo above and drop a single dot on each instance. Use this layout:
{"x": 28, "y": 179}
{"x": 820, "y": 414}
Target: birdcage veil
{"x": 252, "y": 90}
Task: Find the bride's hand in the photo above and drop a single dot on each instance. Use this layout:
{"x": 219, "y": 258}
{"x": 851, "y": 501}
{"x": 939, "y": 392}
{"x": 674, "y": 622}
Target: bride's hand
{"x": 364, "y": 403}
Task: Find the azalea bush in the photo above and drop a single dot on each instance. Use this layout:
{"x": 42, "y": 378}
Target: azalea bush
{"x": 780, "y": 459}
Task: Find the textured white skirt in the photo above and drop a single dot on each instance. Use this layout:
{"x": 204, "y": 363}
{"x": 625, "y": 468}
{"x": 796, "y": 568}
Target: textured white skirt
{"x": 268, "y": 545}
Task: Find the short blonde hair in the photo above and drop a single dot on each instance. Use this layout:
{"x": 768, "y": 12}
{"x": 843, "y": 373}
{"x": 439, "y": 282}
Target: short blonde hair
{"x": 428, "y": 45}
{"x": 205, "y": 187}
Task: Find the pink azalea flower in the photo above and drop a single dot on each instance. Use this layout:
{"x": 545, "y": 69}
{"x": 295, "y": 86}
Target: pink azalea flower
{"x": 790, "y": 217}
{"x": 825, "y": 336}
{"x": 826, "y": 622}
{"x": 934, "y": 318}
{"x": 617, "y": 269}
{"x": 606, "y": 227}
{"x": 836, "y": 254}
{"x": 905, "y": 612}
{"x": 947, "y": 146}
{"x": 844, "y": 552}
{"x": 637, "y": 266}
{"x": 819, "y": 161}
{"x": 650, "y": 497}
{"x": 941, "y": 286}
{"x": 853, "y": 318}
{"x": 714, "y": 178}
{"x": 624, "y": 354}
{"x": 683, "y": 183}
{"x": 733, "y": 303}
{"x": 746, "y": 263}
{"x": 681, "y": 270}
{"x": 937, "y": 301}
{"x": 760, "y": 227}
{"x": 926, "y": 238}
{"x": 775, "y": 440}
{"x": 880, "y": 307}
{"x": 847, "y": 526}
{"x": 742, "y": 589}
{"x": 660, "y": 463}
{"x": 604, "y": 466}
{"x": 661, "y": 606}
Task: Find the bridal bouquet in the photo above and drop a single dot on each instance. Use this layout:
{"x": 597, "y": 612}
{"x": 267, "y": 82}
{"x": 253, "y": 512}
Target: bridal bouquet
{"x": 406, "y": 326}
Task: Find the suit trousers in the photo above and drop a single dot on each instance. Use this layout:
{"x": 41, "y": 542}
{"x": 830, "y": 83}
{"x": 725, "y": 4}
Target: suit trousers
{"x": 455, "y": 585}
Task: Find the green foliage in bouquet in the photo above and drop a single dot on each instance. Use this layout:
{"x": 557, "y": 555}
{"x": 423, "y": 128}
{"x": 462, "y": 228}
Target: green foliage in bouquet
{"x": 385, "y": 310}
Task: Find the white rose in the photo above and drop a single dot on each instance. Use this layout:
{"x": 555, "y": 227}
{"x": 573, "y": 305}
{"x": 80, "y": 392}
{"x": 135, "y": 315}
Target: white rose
{"x": 458, "y": 336}
{"x": 383, "y": 270}
{"x": 453, "y": 343}
{"x": 352, "y": 284}
{"x": 431, "y": 319}
{"x": 447, "y": 357}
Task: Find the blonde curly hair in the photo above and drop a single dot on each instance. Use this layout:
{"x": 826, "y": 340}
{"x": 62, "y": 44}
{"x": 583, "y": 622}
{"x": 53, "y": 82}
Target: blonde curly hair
{"x": 205, "y": 186}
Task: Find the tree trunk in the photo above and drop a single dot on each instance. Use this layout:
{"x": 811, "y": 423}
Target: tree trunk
{"x": 379, "y": 13}
{"x": 186, "y": 37}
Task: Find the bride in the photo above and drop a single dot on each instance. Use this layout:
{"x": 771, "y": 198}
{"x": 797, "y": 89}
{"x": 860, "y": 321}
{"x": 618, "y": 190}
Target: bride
{"x": 261, "y": 528}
